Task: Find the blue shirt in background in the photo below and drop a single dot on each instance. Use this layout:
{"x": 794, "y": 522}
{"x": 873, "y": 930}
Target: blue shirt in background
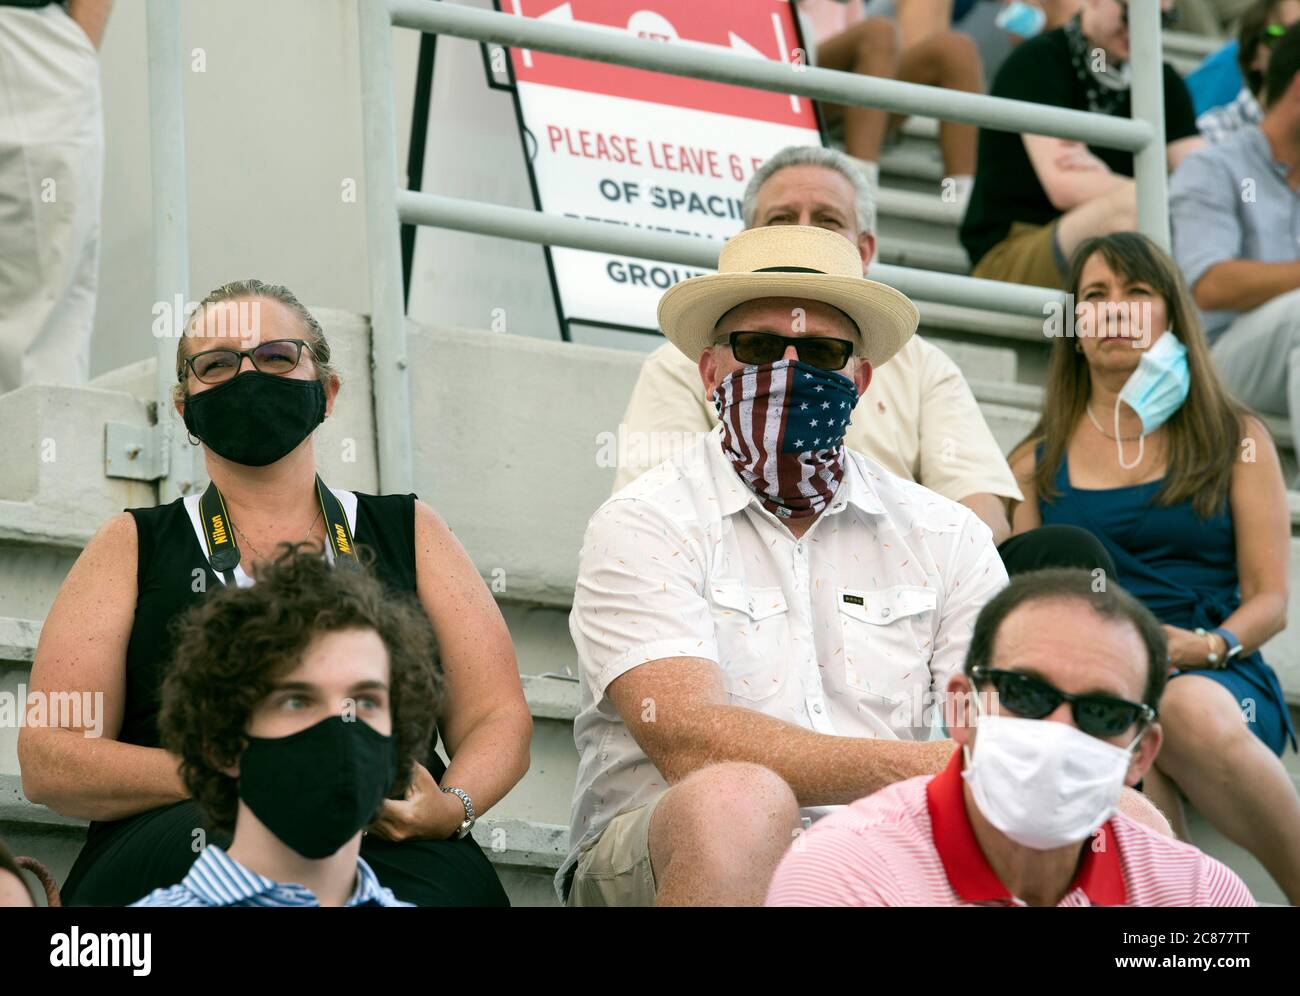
{"x": 1232, "y": 201}
{"x": 1216, "y": 81}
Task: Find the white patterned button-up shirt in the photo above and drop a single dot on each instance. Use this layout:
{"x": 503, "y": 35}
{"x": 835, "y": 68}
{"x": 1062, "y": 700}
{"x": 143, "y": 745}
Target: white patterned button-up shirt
{"x": 846, "y": 631}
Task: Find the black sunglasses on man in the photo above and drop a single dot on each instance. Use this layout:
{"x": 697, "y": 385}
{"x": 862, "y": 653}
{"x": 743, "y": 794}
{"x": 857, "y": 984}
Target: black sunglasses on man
{"x": 755, "y": 348}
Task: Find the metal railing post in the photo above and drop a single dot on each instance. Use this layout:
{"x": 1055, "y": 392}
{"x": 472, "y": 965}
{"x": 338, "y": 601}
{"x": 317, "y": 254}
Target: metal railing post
{"x": 1150, "y": 165}
{"x": 171, "y": 257}
{"x": 391, "y": 383}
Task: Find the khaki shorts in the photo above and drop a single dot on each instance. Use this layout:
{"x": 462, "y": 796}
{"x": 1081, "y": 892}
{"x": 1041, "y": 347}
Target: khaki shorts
{"x": 614, "y": 869}
{"x": 1026, "y": 256}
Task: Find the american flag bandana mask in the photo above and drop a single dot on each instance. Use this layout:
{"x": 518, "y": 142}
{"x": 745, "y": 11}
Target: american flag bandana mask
{"x": 783, "y": 430}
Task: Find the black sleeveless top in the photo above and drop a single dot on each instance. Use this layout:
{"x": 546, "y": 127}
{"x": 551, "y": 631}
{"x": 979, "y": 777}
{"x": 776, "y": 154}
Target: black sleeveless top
{"x": 173, "y": 574}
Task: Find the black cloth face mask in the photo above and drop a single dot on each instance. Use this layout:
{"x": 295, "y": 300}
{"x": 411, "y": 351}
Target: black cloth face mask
{"x": 316, "y": 788}
{"x": 256, "y": 418}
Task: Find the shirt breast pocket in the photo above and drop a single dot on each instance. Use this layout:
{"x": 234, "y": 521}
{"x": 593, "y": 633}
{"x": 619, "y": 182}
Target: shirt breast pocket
{"x": 888, "y": 639}
{"x": 753, "y": 633}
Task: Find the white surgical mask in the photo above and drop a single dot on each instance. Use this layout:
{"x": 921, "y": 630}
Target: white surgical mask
{"x": 1155, "y": 390}
{"x": 1044, "y": 784}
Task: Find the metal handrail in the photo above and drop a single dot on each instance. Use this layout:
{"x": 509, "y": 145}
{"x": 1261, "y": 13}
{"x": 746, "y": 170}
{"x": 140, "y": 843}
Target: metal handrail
{"x": 172, "y": 463}
{"x": 524, "y": 225}
{"x": 392, "y": 392}
{"x": 803, "y": 80}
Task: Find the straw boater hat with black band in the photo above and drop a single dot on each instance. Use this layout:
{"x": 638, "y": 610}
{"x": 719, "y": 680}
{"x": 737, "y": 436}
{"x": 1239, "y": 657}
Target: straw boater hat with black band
{"x": 789, "y": 261}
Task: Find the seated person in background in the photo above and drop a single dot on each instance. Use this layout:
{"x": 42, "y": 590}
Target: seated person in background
{"x": 295, "y": 707}
{"x": 920, "y": 48}
{"x": 13, "y": 890}
{"x": 1036, "y": 198}
{"x": 1246, "y": 278}
{"x": 1054, "y": 713}
{"x": 1140, "y": 444}
{"x": 917, "y": 417}
{"x": 762, "y": 620}
{"x": 1262, "y": 26}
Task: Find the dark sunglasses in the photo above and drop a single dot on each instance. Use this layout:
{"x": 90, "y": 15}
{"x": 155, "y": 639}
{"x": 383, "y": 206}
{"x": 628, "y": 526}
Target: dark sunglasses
{"x": 1168, "y": 18}
{"x": 757, "y": 348}
{"x": 279, "y": 356}
{"x": 1032, "y": 698}
{"x": 1272, "y": 34}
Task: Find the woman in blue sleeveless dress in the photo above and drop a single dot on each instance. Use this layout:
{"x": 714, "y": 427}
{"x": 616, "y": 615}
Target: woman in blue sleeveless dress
{"x": 1140, "y": 444}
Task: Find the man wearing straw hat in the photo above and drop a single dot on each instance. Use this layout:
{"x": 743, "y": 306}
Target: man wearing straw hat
{"x": 762, "y": 621}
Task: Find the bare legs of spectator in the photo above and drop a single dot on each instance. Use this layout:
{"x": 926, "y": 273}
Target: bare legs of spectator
{"x": 1258, "y": 356}
{"x": 948, "y": 59}
{"x": 717, "y": 836}
{"x": 919, "y": 20}
{"x": 869, "y": 48}
{"x": 1115, "y": 211}
{"x": 944, "y": 58}
{"x": 1230, "y": 776}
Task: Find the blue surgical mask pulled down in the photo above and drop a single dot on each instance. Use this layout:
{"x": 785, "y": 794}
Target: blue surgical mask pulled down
{"x": 1155, "y": 390}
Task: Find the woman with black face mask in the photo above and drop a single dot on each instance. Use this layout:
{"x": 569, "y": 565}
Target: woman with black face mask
{"x": 254, "y": 380}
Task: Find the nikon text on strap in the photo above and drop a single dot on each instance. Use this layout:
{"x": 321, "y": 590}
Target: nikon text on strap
{"x": 223, "y": 550}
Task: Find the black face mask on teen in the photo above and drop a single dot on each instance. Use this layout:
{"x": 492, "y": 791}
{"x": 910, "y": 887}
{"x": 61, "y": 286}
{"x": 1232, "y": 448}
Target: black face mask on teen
{"x": 256, "y": 418}
{"x": 316, "y": 788}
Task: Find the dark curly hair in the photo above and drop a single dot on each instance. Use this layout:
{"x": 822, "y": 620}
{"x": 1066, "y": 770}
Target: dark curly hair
{"x": 233, "y": 646}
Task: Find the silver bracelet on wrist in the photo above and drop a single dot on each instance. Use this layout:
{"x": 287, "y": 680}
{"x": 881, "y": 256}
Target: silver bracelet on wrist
{"x": 468, "y": 824}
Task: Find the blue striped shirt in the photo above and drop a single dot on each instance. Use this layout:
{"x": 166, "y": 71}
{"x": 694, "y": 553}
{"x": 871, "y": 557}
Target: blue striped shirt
{"x": 217, "y": 879}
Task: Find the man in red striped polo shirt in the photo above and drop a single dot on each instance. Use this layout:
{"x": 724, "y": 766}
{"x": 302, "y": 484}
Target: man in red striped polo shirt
{"x": 1053, "y": 714}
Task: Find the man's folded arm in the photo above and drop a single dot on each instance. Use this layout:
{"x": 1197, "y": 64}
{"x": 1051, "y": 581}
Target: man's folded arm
{"x": 677, "y": 711}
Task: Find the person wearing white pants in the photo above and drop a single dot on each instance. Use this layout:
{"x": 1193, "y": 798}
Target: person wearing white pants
{"x": 51, "y": 180}
{"x": 1259, "y": 358}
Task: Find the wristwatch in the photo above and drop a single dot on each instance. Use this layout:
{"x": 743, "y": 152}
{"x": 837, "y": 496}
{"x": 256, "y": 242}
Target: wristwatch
{"x": 464, "y": 829}
{"x": 1231, "y": 642}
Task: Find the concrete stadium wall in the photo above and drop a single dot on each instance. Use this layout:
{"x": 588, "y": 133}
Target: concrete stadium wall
{"x": 272, "y": 128}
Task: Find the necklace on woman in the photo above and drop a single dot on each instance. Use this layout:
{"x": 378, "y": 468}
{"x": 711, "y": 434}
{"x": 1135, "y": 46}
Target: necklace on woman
{"x": 1123, "y": 439}
{"x": 258, "y": 552}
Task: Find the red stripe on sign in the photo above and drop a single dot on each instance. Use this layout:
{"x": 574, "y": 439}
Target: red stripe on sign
{"x": 755, "y": 29}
